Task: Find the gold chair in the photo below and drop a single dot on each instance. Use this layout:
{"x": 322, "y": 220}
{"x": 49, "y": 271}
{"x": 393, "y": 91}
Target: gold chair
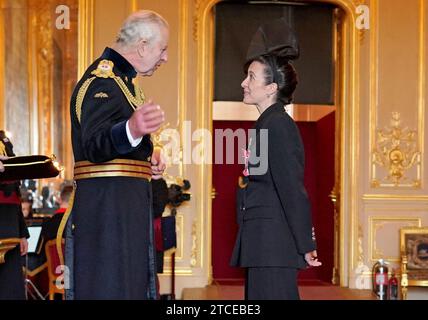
{"x": 6, "y": 245}
{"x": 53, "y": 271}
{"x": 414, "y": 258}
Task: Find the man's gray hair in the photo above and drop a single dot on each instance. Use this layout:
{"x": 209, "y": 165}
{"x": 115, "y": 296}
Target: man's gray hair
{"x": 142, "y": 25}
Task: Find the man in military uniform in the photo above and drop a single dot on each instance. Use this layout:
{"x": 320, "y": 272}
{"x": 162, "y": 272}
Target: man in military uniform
{"x": 12, "y": 225}
{"x": 109, "y": 242}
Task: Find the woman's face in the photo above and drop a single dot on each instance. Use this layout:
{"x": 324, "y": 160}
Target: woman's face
{"x": 255, "y": 90}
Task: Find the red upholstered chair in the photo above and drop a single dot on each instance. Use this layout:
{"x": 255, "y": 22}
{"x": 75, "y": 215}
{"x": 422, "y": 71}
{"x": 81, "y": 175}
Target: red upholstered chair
{"x": 7, "y": 245}
{"x": 55, "y": 272}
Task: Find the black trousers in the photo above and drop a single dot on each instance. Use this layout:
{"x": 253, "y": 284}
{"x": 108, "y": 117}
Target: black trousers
{"x": 12, "y": 284}
{"x": 271, "y": 284}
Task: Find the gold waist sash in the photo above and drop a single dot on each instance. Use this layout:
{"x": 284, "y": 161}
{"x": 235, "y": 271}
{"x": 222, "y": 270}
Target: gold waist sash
{"x": 89, "y": 170}
{"x": 114, "y": 168}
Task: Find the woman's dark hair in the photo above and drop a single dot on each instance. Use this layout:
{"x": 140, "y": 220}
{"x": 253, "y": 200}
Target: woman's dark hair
{"x": 280, "y": 71}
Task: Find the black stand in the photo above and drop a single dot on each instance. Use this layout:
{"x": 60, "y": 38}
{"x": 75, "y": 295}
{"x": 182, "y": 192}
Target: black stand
{"x": 173, "y": 276}
{"x": 30, "y": 286}
{"x": 171, "y": 296}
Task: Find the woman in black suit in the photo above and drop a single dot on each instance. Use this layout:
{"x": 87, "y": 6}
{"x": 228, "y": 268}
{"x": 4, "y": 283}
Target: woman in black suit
{"x": 276, "y": 237}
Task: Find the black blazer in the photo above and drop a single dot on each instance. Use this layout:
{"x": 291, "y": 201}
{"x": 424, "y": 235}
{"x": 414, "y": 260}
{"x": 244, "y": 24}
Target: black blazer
{"x": 273, "y": 210}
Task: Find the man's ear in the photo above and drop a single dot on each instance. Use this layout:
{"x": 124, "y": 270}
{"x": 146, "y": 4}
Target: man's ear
{"x": 142, "y": 46}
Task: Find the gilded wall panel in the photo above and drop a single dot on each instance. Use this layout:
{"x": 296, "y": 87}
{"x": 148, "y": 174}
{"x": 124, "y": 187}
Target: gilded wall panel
{"x": 397, "y": 138}
{"x": 37, "y": 69}
{"x": 395, "y": 194}
{"x": 384, "y": 235}
{"x": 15, "y": 64}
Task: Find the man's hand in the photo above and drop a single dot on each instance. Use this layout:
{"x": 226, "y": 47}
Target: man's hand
{"x": 312, "y": 260}
{"x": 146, "y": 119}
{"x": 24, "y": 246}
{"x": 1, "y": 163}
{"x": 158, "y": 164}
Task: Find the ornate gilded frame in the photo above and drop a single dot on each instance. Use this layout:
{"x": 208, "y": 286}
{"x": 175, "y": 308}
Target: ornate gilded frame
{"x": 410, "y": 240}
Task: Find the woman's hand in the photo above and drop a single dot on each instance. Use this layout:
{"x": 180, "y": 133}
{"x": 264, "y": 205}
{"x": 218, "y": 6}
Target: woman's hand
{"x": 312, "y": 259}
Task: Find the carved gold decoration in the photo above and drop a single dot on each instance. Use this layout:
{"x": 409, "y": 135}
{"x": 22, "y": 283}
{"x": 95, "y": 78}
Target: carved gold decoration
{"x": 169, "y": 140}
{"x": 194, "y": 253}
{"x": 196, "y": 18}
{"x": 362, "y": 32}
{"x": 360, "y": 245}
{"x": 361, "y": 279}
{"x": 397, "y": 151}
{"x": 334, "y": 197}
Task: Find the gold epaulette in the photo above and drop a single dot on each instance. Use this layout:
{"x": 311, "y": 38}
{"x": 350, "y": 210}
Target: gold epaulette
{"x": 105, "y": 71}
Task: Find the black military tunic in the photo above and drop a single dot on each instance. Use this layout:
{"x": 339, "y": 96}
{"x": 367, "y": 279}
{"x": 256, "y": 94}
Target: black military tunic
{"x": 112, "y": 237}
{"x": 12, "y": 225}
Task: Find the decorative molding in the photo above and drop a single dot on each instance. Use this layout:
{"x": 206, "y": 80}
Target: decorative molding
{"x": 394, "y": 197}
{"x": 194, "y": 252}
{"x": 335, "y": 199}
{"x": 376, "y": 224}
{"x": 396, "y": 150}
{"x": 422, "y": 82}
{"x": 183, "y": 72}
{"x": 179, "y": 252}
{"x": 361, "y": 280}
{"x": 134, "y": 6}
{"x": 196, "y": 19}
{"x": 2, "y": 66}
{"x": 85, "y": 35}
{"x": 43, "y": 76}
{"x": 360, "y": 245}
{"x": 362, "y": 32}
{"x": 362, "y": 277}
